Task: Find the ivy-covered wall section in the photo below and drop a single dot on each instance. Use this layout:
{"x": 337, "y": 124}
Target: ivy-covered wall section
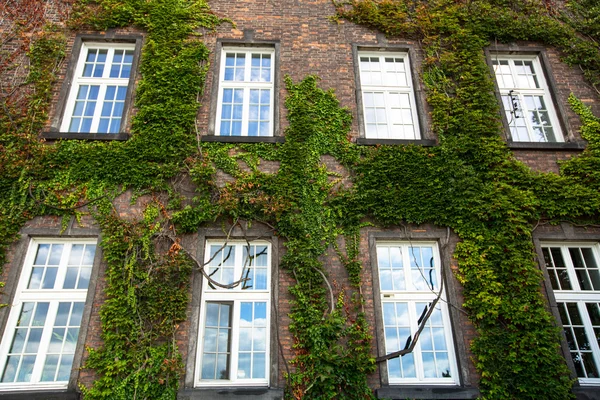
{"x": 470, "y": 183}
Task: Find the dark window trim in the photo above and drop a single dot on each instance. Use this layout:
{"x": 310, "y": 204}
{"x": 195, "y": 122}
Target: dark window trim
{"x": 564, "y": 234}
{"x": 41, "y": 395}
{"x": 231, "y": 393}
{"x": 243, "y": 139}
{"x": 57, "y": 119}
{"x": 419, "y": 94}
{"x": 464, "y": 389}
{"x": 249, "y": 42}
{"x": 21, "y": 247}
{"x": 561, "y": 111}
{"x": 256, "y": 232}
{"x": 375, "y": 142}
{"x": 556, "y": 146}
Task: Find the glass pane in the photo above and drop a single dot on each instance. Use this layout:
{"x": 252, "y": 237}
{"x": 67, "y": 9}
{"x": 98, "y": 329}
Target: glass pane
{"x": 594, "y": 312}
{"x": 65, "y": 367}
{"x": 71, "y": 340}
{"x": 24, "y": 374}
{"x": 244, "y": 366}
{"x": 584, "y": 280}
{"x": 76, "y": 254}
{"x": 574, "y": 314}
{"x": 49, "y": 368}
{"x": 36, "y": 278}
{"x": 210, "y": 339}
{"x": 26, "y": 313}
{"x": 33, "y": 341}
{"x": 259, "y": 339}
{"x": 41, "y": 311}
{"x": 63, "y": 314}
{"x": 76, "y": 314}
{"x": 590, "y": 365}
{"x": 246, "y": 314}
{"x": 18, "y": 340}
{"x": 42, "y": 254}
{"x": 84, "y": 278}
{"x": 208, "y": 366}
{"x": 258, "y": 366}
{"x": 212, "y": 314}
{"x": 443, "y": 365}
{"x": 582, "y": 339}
{"x": 429, "y": 369}
{"x": 389, "y": 314}
{"x": 49, "y": 278}
{"x": 56, "y": 341}
{"x": 222, "y": 366}
{"x": 71, "y": 278}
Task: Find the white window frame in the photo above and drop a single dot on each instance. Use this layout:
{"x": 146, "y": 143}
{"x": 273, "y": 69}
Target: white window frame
{"x": 104, "y": 81}
{"x": 579, "y": 296}
{"x": 236, "y": 296}
{"x": 518, "y": 94}
{"x": 246, "y": 85}
{"x": 54, "y": 297}
{"x": 411, "y": 296}
{"x": 387, "y": 90}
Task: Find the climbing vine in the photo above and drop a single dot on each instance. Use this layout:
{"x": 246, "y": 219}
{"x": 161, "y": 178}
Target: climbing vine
{"x": 470, "y": 183}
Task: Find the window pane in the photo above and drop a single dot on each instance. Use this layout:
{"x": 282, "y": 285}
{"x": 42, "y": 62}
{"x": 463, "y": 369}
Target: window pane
{"x": 215, "y": 357}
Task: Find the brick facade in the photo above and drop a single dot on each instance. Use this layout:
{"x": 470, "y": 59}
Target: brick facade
{"x": 310, "y": 43}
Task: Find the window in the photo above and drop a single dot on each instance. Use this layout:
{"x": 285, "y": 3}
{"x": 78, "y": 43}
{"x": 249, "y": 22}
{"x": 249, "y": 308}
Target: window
{"x": 409, "y": 277}
{"x": 96, "y": 101}
{"x": 526, "y": 99}
{"x": 575, "y": 278}
{"x": 388, "y": 99}
{"x": 234, "y": 329}
{"x": 246, "y": 92}
{"x": 39, "y": 342}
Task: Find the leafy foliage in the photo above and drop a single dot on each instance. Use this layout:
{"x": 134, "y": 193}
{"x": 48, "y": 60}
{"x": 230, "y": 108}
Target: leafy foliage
{"x": 470, "y": 182}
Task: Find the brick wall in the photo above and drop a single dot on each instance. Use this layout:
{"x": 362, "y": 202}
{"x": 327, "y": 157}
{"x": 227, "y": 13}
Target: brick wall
{"x": 309, "y": 44}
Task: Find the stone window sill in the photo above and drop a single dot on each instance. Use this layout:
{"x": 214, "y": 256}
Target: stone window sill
{"x": 577, "y": 145}
{"x": 427, "y": 392}
{"x": 243, "y": 139}
{"x": 230, "y": 394}
{"x": 85, "y": 136}
{"x": 375, "y": 142}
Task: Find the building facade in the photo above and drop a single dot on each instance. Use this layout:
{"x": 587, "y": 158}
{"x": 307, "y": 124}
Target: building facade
{"x": 273, "y": 199}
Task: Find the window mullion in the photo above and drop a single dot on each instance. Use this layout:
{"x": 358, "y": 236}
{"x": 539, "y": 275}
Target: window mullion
{"x": 62, "y": 267}
{"x": 234, "y": 340}
{"x": 245, "y": 110}
{"x": 406, "y": 266}
{"x": 564, "y": 250}
{"x": 414, "y": 326}
{"x": 388, "y": 114}
{"x": 108, "y": 64}
{"x": 98, "y": 108}
{"x": 40, "y": 359}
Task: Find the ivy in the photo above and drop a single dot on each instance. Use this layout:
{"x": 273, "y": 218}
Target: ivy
{"x": 470, "y": 182}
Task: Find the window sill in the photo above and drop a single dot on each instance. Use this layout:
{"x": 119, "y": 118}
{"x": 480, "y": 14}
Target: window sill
{"x": 40, "y": 395}
{"x": 426, "y": 392}
{"x": 230, "y": 393}
{"x": 586, "y": 392}
{"x": 243, "y": 139}
{"x": 375, "y": 142}
{"x": 578, "y": 145}
{"x": 85, "y": 136}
